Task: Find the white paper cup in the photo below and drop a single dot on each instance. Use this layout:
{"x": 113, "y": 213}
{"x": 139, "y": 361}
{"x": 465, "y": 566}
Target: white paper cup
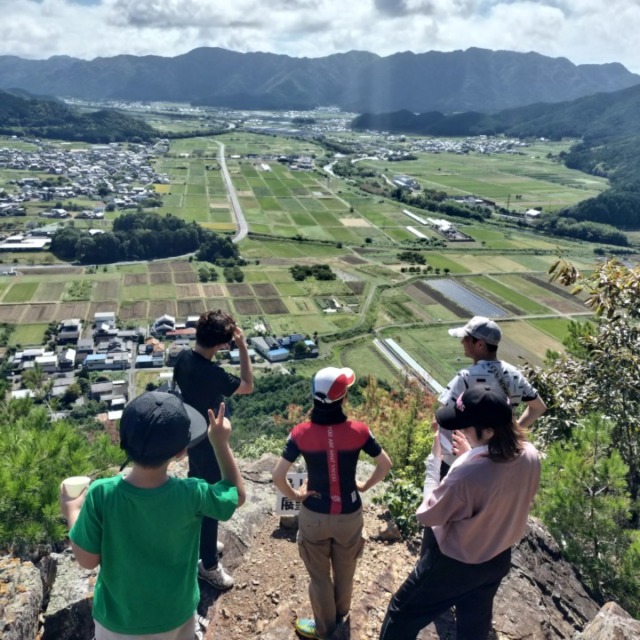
{"x": 75, "y": 485}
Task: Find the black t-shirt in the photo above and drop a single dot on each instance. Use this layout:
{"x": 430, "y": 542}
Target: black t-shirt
{"x": 204, "y": 384}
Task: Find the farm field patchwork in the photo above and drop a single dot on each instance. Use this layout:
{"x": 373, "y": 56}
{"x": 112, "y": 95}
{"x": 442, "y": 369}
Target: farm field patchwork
{"x": 500, "y": 177}
{"x": 475, "y": 304}
{"x": 28, "y": 335}
{"x": 498, "y": 291}
{"x": 20, "y": 291}
{"x": 356, "y": 234}
{"x": 366, "y": 359}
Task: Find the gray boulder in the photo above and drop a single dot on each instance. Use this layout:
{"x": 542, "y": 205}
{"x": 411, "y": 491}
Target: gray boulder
{"x": 611, "y": 623}
{"x": 68, "y": 613}
{"x": 21, "y": 598}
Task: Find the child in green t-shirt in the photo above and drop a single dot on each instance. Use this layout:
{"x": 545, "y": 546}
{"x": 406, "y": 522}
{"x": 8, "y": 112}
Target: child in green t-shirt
{"x": 143, "y": 529}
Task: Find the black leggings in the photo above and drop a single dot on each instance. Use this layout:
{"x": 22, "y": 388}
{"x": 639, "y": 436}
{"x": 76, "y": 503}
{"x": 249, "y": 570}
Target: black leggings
{"x": 203, "y": 464}
{"x": 436, "y": 584}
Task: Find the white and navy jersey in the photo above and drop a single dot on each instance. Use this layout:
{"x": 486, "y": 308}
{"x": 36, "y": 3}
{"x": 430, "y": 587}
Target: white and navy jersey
{"x": 496, "y": 374}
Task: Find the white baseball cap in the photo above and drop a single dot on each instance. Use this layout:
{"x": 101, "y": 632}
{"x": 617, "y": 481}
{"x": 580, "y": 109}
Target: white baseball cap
{"x": 331, "y": 384}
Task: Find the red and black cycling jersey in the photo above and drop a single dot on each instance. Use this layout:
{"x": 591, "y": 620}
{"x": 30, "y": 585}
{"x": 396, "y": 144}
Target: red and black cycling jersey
{"x": 331, "y": 453}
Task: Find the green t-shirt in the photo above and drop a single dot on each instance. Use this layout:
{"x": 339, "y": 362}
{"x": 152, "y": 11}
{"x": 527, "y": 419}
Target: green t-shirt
{"x": 148, "y": 540}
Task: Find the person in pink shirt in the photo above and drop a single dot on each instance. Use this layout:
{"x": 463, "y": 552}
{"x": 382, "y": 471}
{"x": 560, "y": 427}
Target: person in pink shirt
{"x": 473, "y": 517}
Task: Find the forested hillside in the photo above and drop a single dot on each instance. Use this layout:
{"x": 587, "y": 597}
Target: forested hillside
{"x": 49, "y": 118}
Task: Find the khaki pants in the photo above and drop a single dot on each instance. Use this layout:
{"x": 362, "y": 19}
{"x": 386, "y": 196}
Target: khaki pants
{"x": 330, "y": 543}
{"x": 187, "y": 631}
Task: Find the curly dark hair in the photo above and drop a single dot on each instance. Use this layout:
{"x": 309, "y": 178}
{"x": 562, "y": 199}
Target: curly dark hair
{"x": 214, "y": 328}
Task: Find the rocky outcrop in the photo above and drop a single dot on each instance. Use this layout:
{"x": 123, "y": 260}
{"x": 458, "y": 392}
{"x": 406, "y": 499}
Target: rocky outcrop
{"x": 50, "y": 597}
{"x": 68, "y": 612}
{"x": 542, "y": 597}
{"x": 611, "y": 623}
{"x": 21, "y": 598}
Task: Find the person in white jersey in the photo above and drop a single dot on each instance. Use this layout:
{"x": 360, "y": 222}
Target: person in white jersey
{"x": 480, "y": 338}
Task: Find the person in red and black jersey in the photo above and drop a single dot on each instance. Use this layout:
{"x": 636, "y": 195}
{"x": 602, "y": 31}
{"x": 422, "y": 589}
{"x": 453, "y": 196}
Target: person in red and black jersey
{"x": 330, "y": 521}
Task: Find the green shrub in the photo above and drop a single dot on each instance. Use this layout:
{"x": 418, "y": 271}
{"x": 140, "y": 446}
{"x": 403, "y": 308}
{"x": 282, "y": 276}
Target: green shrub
{"x": 402, "y": 497}
{"x": 585, "y": 503}
{"x": 35, "y": 456}
{"x": 257, "y": 447}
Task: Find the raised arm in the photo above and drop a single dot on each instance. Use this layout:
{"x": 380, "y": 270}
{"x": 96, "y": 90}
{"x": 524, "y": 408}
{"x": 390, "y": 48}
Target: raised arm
{"x": 246, "y": 368}
{"x": 218, "y": 433}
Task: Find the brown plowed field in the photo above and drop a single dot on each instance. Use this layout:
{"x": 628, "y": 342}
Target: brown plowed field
{"x": 239, "y": 290}
{"x": 131, "y": 279}
{"x": 39, "y": 313}
{"x": 161, "y": 277}
{"x": 160, "y": 307}
{"x": 133, "y": 310}
{"x": 273, "y": 306}
{"x": 352, "y": 260}
{"x": 419, "y": 295}
{"x": 219, "y": 303}
{"x": 213, "y": 290}
{"x": 356, "y": 286}
{"x": 561, "y": 301}
{"x": 190, "y": 308}
{"x": 188, "y": 291}
{"x": 67, "y": 310}
{"x": 101, "y": 307}
{"x": 11, "y": 312}
{"x": 55, "y": 271}
{"x": 247, "y": 306}
{"x": 159, "y": 267}
{"x": 265, "y": 290}
{"x": 184, "y": 277}
{"x": 107, "y": 290}
{"x": 181, "y": 266}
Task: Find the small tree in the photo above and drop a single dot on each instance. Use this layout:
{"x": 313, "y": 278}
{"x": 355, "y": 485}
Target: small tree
{"x": 300, "y": 349}
{"x": 600, "y": 371}
{"x": 35, "y": 454}
{"x": 585, "y": 504}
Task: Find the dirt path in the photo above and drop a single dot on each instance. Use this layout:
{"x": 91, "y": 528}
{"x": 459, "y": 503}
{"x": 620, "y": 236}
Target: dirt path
{"x": 272, "y": 583}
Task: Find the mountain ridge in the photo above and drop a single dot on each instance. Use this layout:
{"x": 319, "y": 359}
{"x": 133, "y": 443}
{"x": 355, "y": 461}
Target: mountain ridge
{"x": 462, "y": 80}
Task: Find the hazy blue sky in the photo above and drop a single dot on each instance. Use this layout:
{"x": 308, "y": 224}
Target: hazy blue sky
{"x": 584, "y": 31}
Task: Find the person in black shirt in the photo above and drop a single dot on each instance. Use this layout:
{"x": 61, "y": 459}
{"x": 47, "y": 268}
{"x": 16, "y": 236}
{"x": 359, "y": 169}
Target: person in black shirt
{"x": 204, "y": 384}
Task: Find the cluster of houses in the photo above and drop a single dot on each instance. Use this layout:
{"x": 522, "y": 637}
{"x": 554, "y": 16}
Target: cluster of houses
{"x": 113, "y": 169}
{"x": 275, "y": 349}
{"x": 270, "y": 348}
{"x": 445, "y": 228}
{"x": 105, "y": 347}
{"x": 476, "y": 144}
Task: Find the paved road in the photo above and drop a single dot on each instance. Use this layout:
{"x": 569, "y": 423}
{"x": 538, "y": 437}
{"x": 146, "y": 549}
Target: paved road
{"x": 238, "y": 214}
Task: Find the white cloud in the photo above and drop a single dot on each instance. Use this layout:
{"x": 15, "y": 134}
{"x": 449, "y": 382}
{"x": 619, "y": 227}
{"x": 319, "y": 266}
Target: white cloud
{"x": 584, "y": 31}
